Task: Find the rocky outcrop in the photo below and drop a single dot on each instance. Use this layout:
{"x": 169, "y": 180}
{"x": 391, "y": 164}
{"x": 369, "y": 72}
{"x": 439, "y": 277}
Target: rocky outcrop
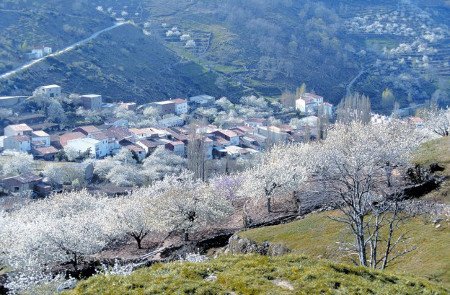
{"x": 239, "y": 245}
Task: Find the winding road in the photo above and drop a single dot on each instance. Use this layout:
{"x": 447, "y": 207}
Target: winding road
{"x": 350, "y": 85}
{"x": 59, "y": 52}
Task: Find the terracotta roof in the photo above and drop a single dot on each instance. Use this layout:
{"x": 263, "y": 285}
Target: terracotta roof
{"x": 88, "y": 129}
{"x": 118, "y": 133}
{"x": 227, "y": 132}
{"x": 148, "y": 143}
{"x": 46, "y": 150}
{"x": 64, "y": 138}
{"x": 178, "y": 100}
{"x": 99, "y": 136}
{"x": 25, "y": 178}
{"x": 135, "y": 148}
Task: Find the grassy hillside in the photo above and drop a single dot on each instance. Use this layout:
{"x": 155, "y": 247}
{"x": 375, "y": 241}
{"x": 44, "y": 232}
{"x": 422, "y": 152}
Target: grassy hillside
{"x": 291, "y": 274}
{"x": 437, "y": 151}
{"x": 122, "y": 65}
{"x": 317, "y": 236}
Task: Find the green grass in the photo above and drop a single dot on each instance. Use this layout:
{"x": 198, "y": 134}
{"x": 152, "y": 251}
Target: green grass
{"x": 254, "y": 274}
{"x": 317, "y": 236}
{"x": 437, "y": 151}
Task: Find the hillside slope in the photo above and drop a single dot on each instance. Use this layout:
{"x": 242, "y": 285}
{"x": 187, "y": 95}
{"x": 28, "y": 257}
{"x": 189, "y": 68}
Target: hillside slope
{"x": 317, "y": 235}
{"x": 121, "y": 64}
{"x": 437, "y": 152}
{"x": 255, "y": 275}
{"x": 54, "y": 23}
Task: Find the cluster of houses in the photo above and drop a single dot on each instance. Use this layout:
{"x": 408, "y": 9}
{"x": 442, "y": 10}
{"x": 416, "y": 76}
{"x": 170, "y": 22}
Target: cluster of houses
{"x": 39, "y": 52}
{"x": 312, "y": 104}
{"x": 31, "y": 133}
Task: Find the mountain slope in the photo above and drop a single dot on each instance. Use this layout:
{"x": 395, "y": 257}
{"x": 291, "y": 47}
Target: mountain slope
{"x": 27, "y": 24}
{"x": 122, "y": 64}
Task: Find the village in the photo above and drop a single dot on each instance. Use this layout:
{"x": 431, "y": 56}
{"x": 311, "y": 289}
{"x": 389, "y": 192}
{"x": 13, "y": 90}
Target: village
{"x": 131, "y": 131}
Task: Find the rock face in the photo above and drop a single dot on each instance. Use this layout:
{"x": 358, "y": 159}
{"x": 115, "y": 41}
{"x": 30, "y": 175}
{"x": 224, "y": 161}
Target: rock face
{"x": 238, "y": 245}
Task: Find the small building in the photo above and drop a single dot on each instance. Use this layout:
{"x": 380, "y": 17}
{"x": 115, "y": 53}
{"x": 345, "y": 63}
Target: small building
{"x": 149, "y": 145}
{"x": 40, "y": 138}
{"x": 177, "y": 147}
{"x": 129, "y": 106}
{"x": 48, "y": 91}
{"x": 144, "y": 133}
{"x": 87, "y": 130}
{"x": 92, "y": 101}
{"x": 229, "y": 135}
{"x": 137, "y": 150}
{"x": 202, "y": 100}
{"x": 176, "y": 106}
{"x": 98, "y": 149}
{"x": 19, "y": 129}
{"x": 300, "y": 105}
{"x": 66, "y": 137}
{"x": 17, "y": 142}
{"x": 40, "y": 52}
{"x": 45, "y": 153}
{"x": 20, "y": 184}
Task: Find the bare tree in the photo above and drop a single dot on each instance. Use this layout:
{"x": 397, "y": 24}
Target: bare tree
{"x": 355, "y": 107}
{"x": 361, "y": 167}
{"x": 196, "y": 154}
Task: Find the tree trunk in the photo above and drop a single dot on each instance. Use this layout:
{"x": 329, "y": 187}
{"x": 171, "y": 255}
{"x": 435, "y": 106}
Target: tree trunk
{"x": 139, "y": 242}
{"x": 269, "y": 205}
{"x": 360, "y": 241}
{"x": 297, "y": 202}
{"x": 186, "y": 236}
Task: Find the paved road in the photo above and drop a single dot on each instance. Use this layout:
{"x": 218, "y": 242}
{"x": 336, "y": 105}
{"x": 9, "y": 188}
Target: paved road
{"x": 59, "y": 52}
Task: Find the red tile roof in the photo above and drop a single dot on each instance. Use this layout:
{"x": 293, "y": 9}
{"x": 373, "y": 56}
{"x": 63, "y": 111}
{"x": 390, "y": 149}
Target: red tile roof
{"x": 46, "y": 150}
{"x": 88, "y": 129}
{"x": 64, "y": 138}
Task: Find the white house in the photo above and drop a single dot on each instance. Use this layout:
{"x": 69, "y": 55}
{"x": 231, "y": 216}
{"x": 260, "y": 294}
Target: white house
{"x": 300, "y": 105}
{"x": 19, "y": 129}
{"x": 40, "y": 138}
{"x": 98, "y": 149}
{"x": 48, "y": 91}
{"x": 177, "y": 147}
{"x": 176, "y": 106}
{"x": 202, "y": 99}
{"x": 17, "y": 142}
{"x": 229, "y": 135}
{"x": 92, "y": 101}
